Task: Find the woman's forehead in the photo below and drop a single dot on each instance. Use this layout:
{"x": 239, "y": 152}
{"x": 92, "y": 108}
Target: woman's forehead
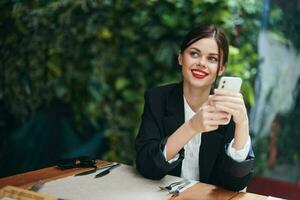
{"x": 206, "y": 45}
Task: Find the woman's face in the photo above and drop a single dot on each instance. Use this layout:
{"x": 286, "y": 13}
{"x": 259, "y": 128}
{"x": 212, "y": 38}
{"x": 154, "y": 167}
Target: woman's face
{"x": 200, "y": 63}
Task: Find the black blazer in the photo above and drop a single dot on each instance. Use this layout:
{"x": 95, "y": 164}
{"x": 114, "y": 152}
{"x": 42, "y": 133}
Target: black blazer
{"x": 164, "y": 114}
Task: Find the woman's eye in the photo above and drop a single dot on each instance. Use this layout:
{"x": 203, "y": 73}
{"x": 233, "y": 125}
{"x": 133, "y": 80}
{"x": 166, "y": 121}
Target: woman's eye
{"x": 194, "y": 54}
{"x": 213, "y": 59}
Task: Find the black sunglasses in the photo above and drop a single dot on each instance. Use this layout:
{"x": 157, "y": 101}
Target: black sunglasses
{"x": 82, "y": 161}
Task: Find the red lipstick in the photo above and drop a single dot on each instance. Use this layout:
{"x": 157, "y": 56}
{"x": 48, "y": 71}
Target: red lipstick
{"x": 199, "y": 74}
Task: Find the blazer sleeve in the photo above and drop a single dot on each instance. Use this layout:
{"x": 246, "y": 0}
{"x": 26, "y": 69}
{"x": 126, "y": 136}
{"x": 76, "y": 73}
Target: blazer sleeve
{"x": 231, "y": 174}
{"x": 151, "y": 140}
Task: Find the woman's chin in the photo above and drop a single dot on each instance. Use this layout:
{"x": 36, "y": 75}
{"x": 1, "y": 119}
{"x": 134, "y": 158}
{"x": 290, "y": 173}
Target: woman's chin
{"x": 199, "y": 83}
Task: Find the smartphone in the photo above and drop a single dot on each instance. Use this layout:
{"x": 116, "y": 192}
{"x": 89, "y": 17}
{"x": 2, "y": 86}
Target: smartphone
{"x": 230, "y": 83}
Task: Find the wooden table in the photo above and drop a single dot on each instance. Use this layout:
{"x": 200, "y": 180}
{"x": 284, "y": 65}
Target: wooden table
{"x": 197, "y": 192}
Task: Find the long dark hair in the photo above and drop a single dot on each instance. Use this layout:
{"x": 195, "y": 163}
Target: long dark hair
{"x": 208, "y": 32}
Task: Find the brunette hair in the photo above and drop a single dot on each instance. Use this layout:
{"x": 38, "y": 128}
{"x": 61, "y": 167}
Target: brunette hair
{"x": 208, "y": 32}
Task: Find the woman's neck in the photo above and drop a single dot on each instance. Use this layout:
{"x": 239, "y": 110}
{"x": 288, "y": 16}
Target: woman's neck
{"x": 195, "y": 97}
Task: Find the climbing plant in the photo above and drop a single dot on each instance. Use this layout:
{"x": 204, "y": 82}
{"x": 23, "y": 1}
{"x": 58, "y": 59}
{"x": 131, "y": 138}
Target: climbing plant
{"x": 99, "y": 57}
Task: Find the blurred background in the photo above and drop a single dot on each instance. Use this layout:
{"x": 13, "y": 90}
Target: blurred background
{"x": 73, "y": 74}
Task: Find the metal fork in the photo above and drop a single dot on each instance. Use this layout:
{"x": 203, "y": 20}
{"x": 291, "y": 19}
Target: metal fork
{"x": 171, "y": 185}
{"x": 177, "y": 191}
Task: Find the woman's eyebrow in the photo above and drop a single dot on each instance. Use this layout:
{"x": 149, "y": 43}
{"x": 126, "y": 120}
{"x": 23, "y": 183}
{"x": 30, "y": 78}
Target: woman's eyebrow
{"x": 194, "y": 48}
{"x": 211, "y": 54}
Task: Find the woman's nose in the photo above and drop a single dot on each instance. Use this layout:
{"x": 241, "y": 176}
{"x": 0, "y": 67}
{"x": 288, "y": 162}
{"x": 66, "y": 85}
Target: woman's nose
{"x": 202, "y": 62}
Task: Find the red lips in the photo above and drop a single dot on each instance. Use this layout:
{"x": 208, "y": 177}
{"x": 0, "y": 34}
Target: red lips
{"x": 199, "y": 74}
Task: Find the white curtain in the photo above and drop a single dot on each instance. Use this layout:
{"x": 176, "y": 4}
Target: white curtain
{"x": 276, "y": 81}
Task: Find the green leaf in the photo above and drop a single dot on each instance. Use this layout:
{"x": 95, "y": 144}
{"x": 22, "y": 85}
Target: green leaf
{"x": 121, "y": 83}
{"x": 105, "y": 33}
{"x": 169, "y": 20}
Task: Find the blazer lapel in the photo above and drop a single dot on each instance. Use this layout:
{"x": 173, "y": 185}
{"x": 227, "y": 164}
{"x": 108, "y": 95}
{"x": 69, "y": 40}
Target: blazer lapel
{"x": 210, "y": 147}
{"x": 174, "y": 117}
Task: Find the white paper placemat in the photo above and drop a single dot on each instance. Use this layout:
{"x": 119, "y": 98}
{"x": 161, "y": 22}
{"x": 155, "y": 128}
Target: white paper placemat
{"x": 123, "y": 182}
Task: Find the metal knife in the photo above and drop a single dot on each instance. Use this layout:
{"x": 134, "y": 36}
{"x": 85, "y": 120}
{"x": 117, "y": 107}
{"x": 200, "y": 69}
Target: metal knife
{"x": 96, "y": 169}
{"x": 106, "y": 171}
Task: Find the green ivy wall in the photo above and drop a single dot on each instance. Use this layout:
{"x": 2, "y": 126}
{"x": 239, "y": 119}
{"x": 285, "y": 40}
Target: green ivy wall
{"x": 85, "y": 64}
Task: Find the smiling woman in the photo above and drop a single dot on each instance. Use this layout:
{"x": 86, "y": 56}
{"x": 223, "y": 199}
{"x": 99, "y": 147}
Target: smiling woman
{"x": 182, "y": 131}
{"x": 201, "y": 60}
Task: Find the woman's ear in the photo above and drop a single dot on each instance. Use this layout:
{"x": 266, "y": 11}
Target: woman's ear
{"x": 180, "y": 58}
{"x": 221, "y": 70}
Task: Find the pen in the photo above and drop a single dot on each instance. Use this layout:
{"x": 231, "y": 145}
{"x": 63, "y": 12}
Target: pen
{"x": 103, "y": 173}
{"x": 106, "y": 171}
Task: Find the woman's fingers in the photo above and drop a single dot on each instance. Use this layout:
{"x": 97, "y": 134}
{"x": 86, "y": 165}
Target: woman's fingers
{"x": 208, "y": 118}
{"x": 238, "y": 111}
{"x": 229, "y": 106}
{"x": 212, "y": 120}
{"x": 216, "y": 115}
{"x": 226, "y": 108}
{"x": 230, "y": 102}
{"x": 227, "y": 93}
{"x": 235, "y": 99}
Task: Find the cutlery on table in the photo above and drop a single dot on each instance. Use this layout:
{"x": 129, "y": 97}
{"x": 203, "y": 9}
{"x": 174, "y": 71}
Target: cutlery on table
{"x": 96, "y": 169}
{"x": 171, "y": 185}
{"x": 177, "y": 191}
{"x": 106, "y": 171}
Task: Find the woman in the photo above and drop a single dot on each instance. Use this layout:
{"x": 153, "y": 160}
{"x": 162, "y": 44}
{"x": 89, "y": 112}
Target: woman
{"x": 183, "y": 130}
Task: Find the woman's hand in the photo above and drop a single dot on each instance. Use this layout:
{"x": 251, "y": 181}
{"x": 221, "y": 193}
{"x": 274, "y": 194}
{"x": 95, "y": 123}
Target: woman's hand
{"x": 232, "y": 103}
{"x": 207, "y": 118}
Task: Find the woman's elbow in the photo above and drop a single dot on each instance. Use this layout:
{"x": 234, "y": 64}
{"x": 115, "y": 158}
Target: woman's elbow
{"x": 148, "y": 171}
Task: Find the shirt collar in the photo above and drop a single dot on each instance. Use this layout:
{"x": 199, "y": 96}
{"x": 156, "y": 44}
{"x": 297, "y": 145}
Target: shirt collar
{"x": 188, "y": 112}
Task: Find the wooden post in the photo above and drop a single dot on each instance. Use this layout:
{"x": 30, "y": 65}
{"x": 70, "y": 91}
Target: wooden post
{"x": 273, "y": 143}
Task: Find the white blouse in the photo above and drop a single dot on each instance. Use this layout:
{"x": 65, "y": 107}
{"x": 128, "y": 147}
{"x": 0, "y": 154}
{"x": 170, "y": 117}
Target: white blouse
{"x": 190, "y": 163}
